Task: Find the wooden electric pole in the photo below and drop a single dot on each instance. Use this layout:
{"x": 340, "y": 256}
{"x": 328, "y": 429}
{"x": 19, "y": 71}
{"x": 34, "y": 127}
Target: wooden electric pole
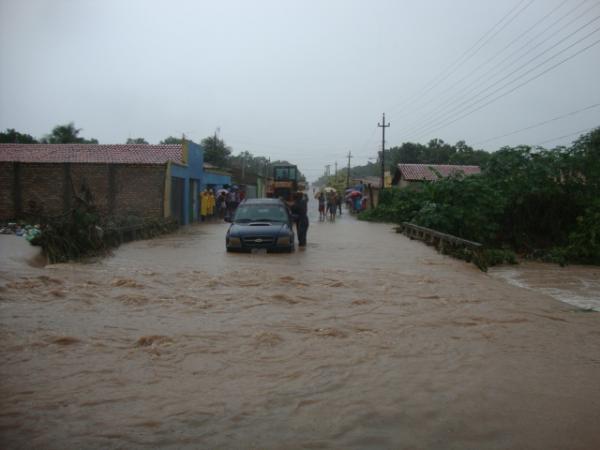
{"x": 383, "y": 126}
{"x": 348, "y": 172}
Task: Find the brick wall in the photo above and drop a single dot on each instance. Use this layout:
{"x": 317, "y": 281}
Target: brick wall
{"x": 42, "y": 188}
{"x": 117, "y": 189}
{"x": 7, "y": 208}
{"x": 140, "y": 190}
{"x": 96, "y": 177}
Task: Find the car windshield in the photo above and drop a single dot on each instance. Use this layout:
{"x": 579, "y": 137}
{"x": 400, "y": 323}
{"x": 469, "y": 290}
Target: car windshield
{"x": 260, "y": 213}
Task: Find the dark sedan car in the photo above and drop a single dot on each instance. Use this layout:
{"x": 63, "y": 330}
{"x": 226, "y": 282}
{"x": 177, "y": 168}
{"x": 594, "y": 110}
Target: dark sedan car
{"x": 261, "y": 223}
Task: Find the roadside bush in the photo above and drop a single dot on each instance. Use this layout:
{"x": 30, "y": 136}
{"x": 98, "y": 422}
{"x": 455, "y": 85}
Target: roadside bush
{"x": 540, "y": 203}
{"x": 71, "y": 236}
{"x": 584, "y": 241}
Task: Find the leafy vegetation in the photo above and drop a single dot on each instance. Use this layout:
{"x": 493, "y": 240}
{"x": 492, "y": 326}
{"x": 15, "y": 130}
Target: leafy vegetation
{"x": 540, "y": 203}
{"x": 83, "y": 232}
{"x": 216, "y": 151}
{"x": 11, "y": 136}
{"x": 136, "y": 141}
{"x": 61, "y": 134}
{"x": 67, "y": 134}
{"x": 435, "y": 152}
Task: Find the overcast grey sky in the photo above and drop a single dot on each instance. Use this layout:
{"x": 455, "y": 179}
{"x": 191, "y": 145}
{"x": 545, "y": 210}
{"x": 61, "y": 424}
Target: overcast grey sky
{"x": 303, "y": 80}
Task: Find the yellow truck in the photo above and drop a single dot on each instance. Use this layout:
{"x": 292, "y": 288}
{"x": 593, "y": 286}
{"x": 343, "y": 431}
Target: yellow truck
{"x": 284, "y": 183}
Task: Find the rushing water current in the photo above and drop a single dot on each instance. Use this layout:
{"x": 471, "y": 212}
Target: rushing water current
{"x": 365, "y": 339}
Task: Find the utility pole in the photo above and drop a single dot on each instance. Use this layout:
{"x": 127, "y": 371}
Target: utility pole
{"x": 335, "y": 173}
{"x": 383, "y": 127}
{"x": 348, "y": 172}
{"x": 243, "y": 166}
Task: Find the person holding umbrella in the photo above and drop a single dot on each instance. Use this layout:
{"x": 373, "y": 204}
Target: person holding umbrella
{"x": 357, "y": 199}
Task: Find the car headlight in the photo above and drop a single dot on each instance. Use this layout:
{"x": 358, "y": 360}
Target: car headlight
{"x": 234, "y": 242}
{"x": 284, "y": 240}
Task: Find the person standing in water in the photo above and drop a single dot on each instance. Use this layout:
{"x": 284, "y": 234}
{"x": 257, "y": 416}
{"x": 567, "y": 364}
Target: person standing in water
{"x": 331, "y": 205}
{"x": 321, "y": 199}
{"x": 300, "y": 209}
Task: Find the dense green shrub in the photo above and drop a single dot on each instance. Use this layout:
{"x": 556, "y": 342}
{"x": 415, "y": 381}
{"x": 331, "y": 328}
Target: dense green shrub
{"x": 537, "y": 202}
{"x": 584, "y": 241}
{"x": 82, "y": 232}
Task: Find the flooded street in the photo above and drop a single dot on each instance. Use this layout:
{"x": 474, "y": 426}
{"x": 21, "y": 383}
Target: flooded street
{"x": 576, "y": 285}
{"x": 366, "y": 339}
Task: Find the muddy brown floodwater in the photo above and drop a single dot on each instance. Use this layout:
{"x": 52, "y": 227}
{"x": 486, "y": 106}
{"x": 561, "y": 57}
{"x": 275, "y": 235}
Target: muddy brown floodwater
{"x": 364, "y": 340}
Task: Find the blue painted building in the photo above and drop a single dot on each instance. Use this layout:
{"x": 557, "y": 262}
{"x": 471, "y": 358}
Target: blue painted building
{"x": 183, "y": 184}
{"x": 185, "y": 181}
{"x": 215, "y": 178}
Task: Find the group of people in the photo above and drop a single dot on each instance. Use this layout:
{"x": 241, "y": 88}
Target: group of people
{"x": 221, "y": 205}
{"x": 329, "y": 205}
{"x": 207, "y": 204}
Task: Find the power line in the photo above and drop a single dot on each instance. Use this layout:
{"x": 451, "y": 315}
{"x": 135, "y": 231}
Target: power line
{"x": 526, "y": 82}
{"x": 449, "y": 102}
{"x": 539, "y": 124}
{"x": 440, "y": 122}
{"x": 497, "y": 54}
{"x": 585, "y": 130}
{"x": 435, "y": 81}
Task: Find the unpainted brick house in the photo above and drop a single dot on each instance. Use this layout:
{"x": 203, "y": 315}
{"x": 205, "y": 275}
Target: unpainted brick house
{"x": 415, "y": 174}
{"x": 149, "y": 181}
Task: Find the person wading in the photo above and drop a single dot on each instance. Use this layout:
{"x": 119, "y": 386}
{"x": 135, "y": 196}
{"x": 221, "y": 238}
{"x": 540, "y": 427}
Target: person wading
{"x": 299, "y": 210}
{"x": 321, "y": 199}
{"x": 331, "y": 205}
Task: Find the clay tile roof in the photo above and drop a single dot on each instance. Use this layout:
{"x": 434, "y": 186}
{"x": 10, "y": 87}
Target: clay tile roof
{"x": 415, "y": 172}
{"x": 91, "y": 153}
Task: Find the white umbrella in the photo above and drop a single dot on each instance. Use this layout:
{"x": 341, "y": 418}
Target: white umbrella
{"x": 329, "y": 189}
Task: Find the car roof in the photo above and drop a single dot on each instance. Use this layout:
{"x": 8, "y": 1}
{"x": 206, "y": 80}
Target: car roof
{"x": 262, "y": 201}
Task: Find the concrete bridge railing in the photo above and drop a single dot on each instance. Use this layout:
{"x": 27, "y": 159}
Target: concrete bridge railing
{"x": 445, "y": 243}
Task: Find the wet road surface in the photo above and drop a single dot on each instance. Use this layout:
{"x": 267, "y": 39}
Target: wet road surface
{"x": 366, "y": 339}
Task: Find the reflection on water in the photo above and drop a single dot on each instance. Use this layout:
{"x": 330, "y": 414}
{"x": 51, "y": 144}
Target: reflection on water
{"x": 576, "y": 285}
{"x": 365, "y": 339}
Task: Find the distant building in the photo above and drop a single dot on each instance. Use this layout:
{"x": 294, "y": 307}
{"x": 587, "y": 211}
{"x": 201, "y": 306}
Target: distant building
{"x": 253, "y": 184}
{"x": 215, "y": 178}
{"x": 148, "y": 181}
{"x": 415, "y": 174}
{"x": 370, "y": 187}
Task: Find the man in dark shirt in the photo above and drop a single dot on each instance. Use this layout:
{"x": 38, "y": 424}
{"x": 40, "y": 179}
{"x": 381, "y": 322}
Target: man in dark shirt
{"x": 299, "y": 210}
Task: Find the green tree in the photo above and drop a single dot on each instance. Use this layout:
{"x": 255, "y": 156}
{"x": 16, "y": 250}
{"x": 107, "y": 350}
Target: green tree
{"x": 67, "y": 134}
{"x": 171, "y": 140}
{"x": 538, "y": 202}
{"x": 466, "y": 155}
{"x": 250, "y": 163}
{"x": 11, "y": 136}
{"x": 136, "y": 141}
{"x": 216, "y": 151}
